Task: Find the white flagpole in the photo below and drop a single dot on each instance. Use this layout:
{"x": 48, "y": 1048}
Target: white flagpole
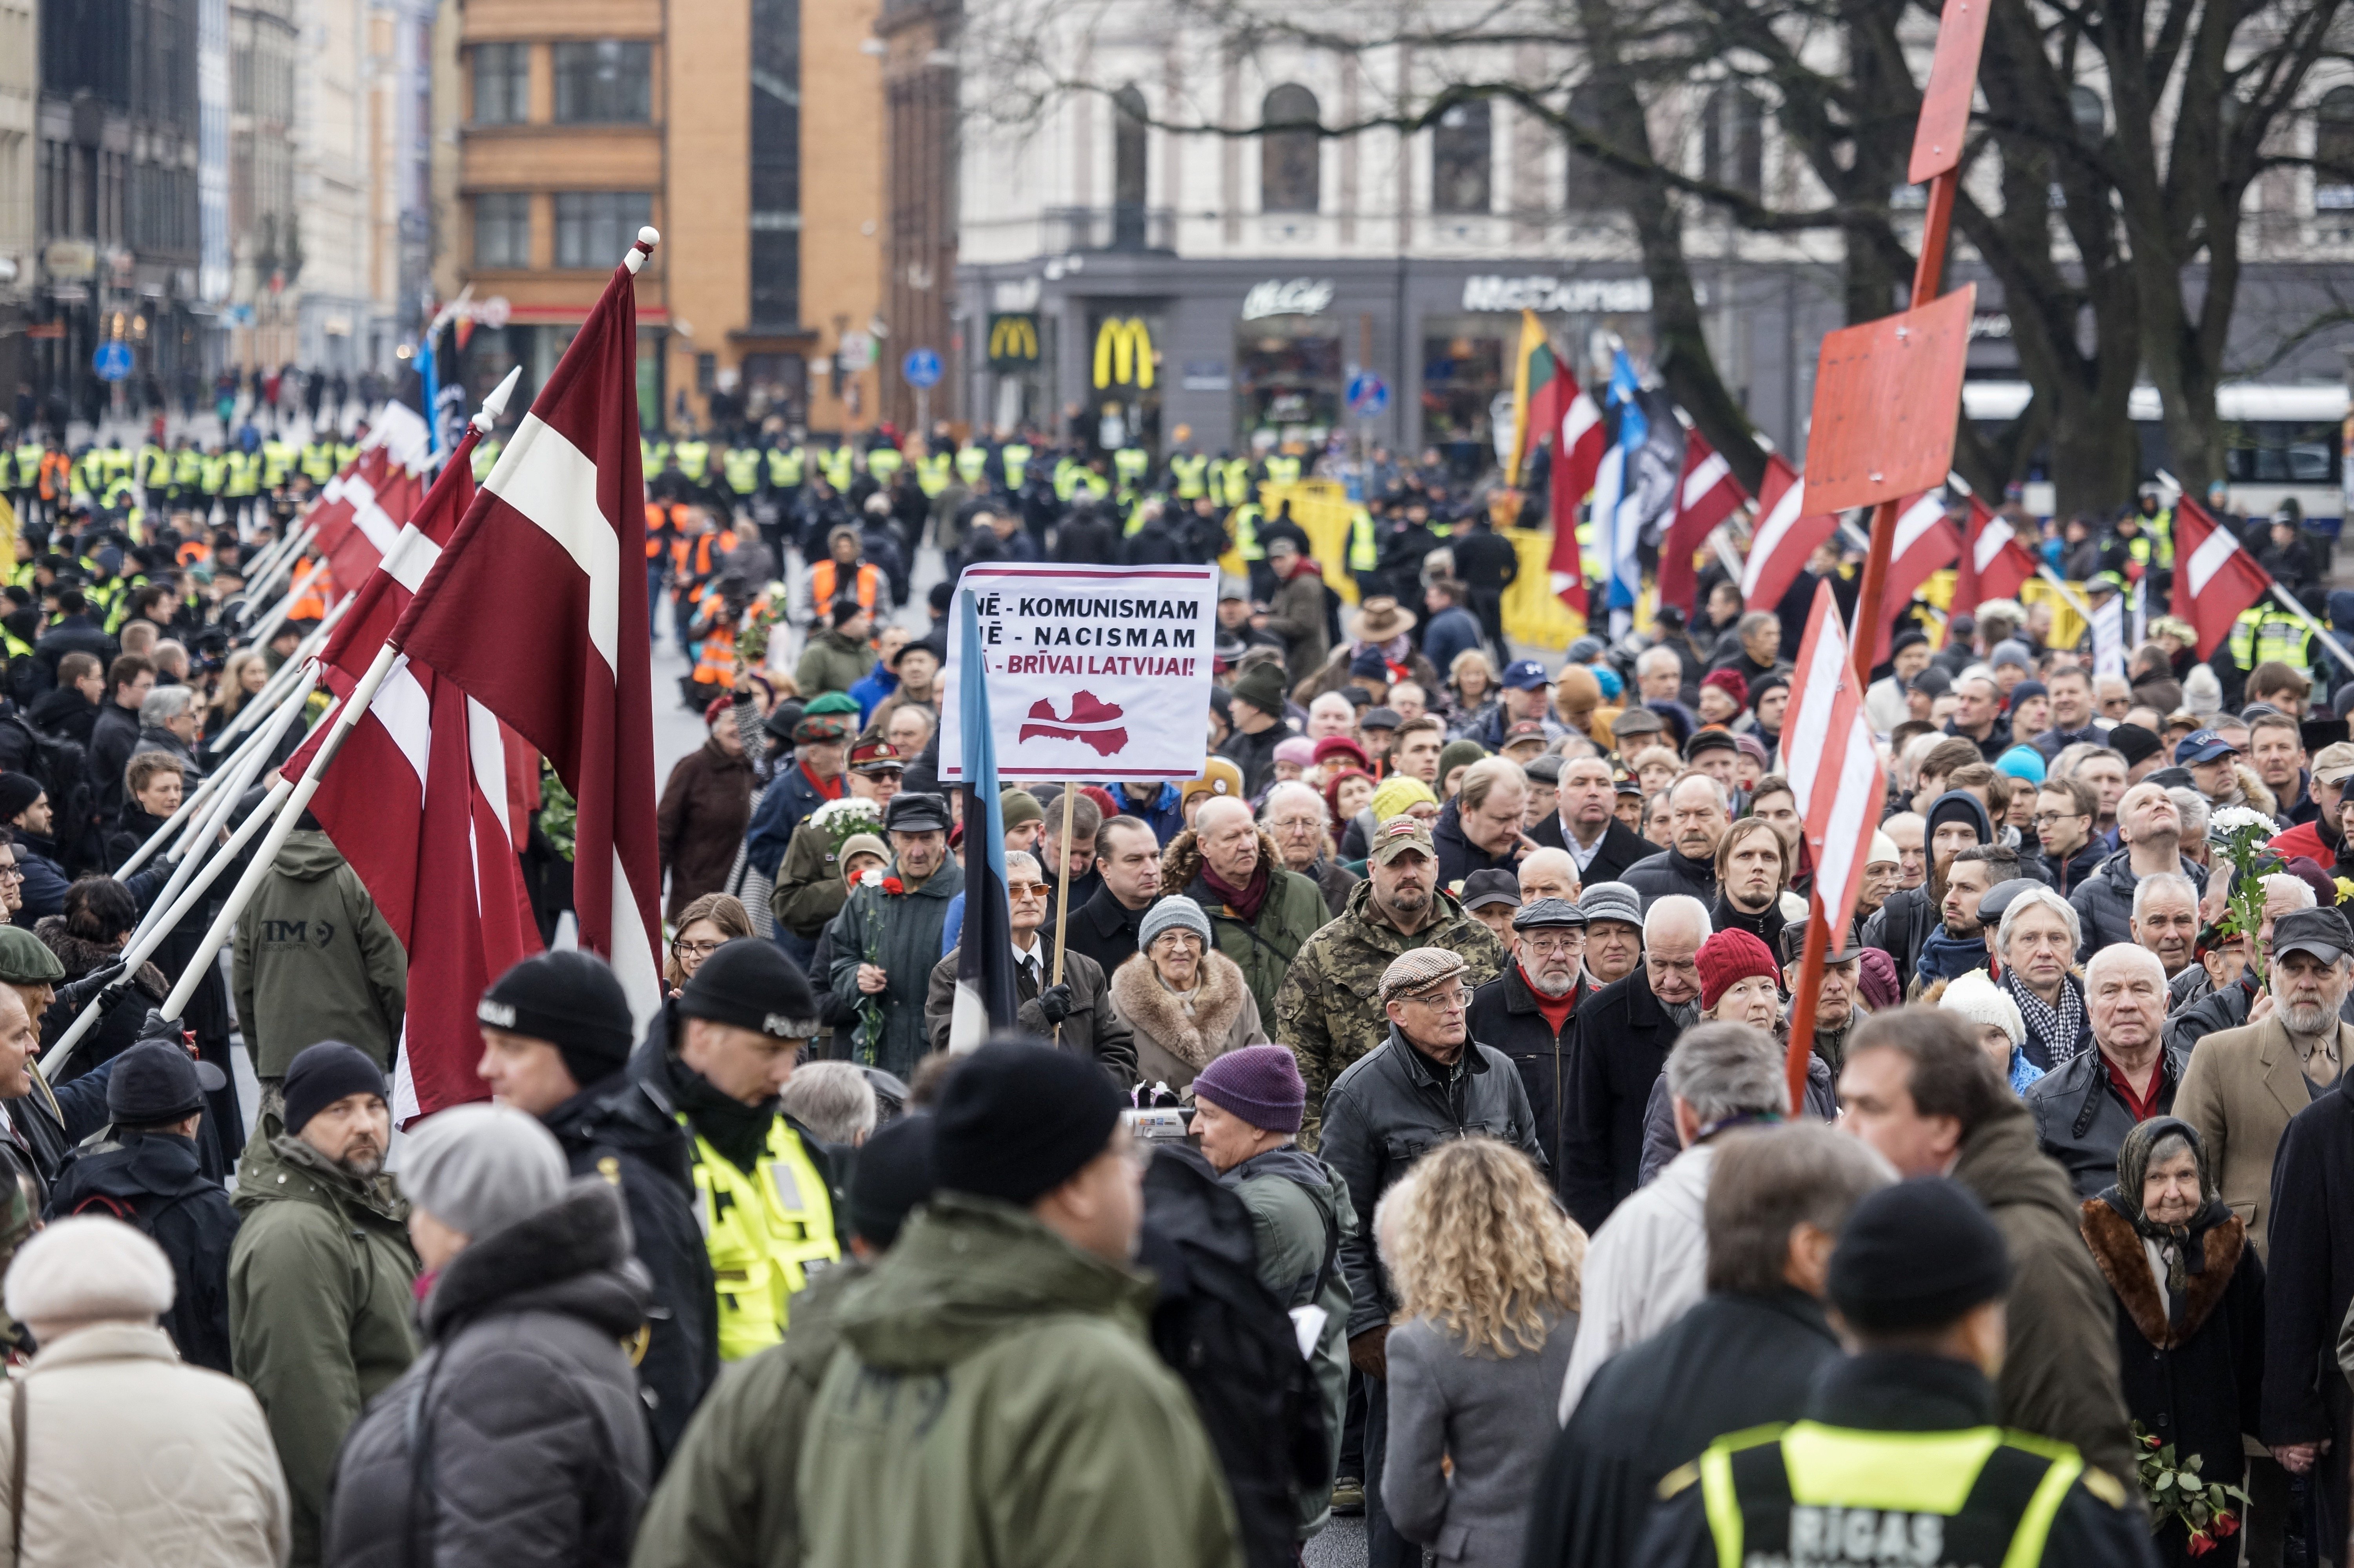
{"x": 264, "y": 564}
{"x": 209, "y": 825}
{"x": 278, "y": 556}
{"x": 346, "y": 717}
{"x": 205, "y": 790}
{"x": 267, "y": 627}
{"x": 144, "y": 946}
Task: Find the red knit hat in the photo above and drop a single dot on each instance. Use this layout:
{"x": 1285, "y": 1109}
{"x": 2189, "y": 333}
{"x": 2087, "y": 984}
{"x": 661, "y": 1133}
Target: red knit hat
{"x": 1730, "y": 683}
{"x": 1730, "y": 956}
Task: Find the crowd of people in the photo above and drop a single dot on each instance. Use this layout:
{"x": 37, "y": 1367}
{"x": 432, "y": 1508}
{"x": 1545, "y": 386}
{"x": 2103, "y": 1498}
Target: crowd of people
{"x": 1396, "y": 1118}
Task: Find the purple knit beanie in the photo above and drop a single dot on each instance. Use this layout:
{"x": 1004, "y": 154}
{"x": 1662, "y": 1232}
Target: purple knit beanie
{"x": 1259, "y": 1084}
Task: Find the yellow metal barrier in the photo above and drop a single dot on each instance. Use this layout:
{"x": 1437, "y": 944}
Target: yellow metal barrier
{"x": 2068, "y": 628}
{"x": 1533, "y": 613}
{"x": 1320, "y": 507}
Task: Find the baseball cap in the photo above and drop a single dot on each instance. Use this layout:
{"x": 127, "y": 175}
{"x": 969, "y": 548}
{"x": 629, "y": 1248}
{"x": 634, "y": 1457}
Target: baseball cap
{"x": 1526, "y": 729}
{"x": 2203, "y": 745}
{"x": 1482, "y": 888}
{"x": 1526, "y": 676}
{"x": 2323, "y": 933}
{"x": 1400, "y": 835}
{"x": 2333, "y": 764}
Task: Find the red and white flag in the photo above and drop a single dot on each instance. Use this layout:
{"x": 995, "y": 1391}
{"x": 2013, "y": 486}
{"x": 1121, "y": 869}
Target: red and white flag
{"x": 1705, "y": 496}
{"x": 2215, "y": 581}
{"x": 361, "y": 510}
{"x": 1927, "y": 541}
{"x": 421, "y": 801}
{"x": 1785, "y": 536}
{"x": 1578, "y": 442}
{"x": 1994, "y": 562}
{"x": 1836, "y": 778}
{"x": 536, "y": 608}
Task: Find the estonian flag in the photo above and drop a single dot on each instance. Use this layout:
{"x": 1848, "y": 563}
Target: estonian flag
{"x": 984, "y": 990}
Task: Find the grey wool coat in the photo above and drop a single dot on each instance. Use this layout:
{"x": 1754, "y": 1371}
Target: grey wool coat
{"x": 905, "y": 928}
{"x": 1493, "y": 1416}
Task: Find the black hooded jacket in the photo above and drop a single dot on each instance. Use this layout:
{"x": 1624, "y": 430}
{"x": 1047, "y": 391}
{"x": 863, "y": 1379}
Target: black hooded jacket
{"x": 155, "y": 1182}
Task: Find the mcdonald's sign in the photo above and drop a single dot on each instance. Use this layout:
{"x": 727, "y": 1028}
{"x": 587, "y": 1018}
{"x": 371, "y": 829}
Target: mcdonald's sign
{"x": 1124, "y": 353}
{"x": 1013, "y": 341}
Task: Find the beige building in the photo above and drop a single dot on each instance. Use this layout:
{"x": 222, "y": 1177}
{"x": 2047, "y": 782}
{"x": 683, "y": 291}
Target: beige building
{"x": 573, "y": 123}
{"x": 20, "y": 97}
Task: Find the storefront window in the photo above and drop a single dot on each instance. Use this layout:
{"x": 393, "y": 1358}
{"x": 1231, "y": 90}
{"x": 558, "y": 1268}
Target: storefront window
{"x": 1287, "y": 381}
{"x": 1125, "y": 378}
{"x": 1462, "y": 374}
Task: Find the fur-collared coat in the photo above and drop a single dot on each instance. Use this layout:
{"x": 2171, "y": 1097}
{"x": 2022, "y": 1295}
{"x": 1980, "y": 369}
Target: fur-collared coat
{"x": 1170, "y": 1044}
{"x": 2194, "y": 1379}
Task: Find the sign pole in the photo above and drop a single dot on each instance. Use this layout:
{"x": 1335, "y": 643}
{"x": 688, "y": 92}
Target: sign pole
{"x": 1062, "y": 885}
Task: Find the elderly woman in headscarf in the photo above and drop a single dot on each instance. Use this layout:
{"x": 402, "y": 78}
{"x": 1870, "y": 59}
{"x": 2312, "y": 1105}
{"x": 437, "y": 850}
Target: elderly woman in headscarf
{"x": 2189, "y": 1305}
{"x": 1186, "y": 1001}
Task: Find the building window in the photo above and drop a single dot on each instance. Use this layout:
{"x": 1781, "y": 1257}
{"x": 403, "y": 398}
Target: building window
{"x": 1290, "y": 151}
{"x": 594, "y": 228}
{"x": 1733, "y": 140}
{"x": 2333, "y": 152}
{"x": 502, "y": 84}
{"x": 1127, "y": 163}
{"x": 1460, "y": 149}
{"x": 776, "y": 160}
{"x": 502, "y": 229}
{"x": 604, "y": 82}
{"x": 1595, "y": 187}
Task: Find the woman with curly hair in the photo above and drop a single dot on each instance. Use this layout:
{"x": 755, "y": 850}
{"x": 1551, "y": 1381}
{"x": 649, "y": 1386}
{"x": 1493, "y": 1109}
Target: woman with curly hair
{"x": 1486, "y": 1272}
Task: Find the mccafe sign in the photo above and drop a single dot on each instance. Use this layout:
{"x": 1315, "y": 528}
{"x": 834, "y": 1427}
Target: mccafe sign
{"x": 1296, "y": 297}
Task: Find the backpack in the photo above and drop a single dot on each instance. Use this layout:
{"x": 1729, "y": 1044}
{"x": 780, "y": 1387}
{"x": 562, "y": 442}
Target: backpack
{"x": 62, "y": 767}
{"x": 1232, "y": 1343}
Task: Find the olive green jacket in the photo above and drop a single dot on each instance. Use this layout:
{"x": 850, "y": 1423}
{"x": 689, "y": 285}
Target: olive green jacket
{"x": 995, "y": 1402}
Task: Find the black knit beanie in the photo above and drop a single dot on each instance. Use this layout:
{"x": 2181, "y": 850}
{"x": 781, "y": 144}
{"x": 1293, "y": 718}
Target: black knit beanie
{"x": 894, "y": 1174}
{"x": 1017, "y": 1119}
{"x": 573, "y": 1001}
{"x": 323, "y": 1073}
{"x": 1919, "y": 1254}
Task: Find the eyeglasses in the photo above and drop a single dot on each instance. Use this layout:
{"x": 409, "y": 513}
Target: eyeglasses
{"x": 2045, "y": 819}
{"x": 1453, "y": 1001}
{"x": 1555, "y": 947}
{"x": 1026, "y": 890}
{"x": 686, "y": 950}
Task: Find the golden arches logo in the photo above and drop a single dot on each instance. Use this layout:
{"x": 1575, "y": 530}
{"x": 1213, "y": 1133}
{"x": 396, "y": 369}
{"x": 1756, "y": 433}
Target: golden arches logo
{"x": 1013, "y": 338}
{"x": 1124, "y": 353}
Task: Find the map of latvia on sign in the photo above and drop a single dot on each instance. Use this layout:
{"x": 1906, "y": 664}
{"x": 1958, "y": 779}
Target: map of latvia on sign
{"x": 1092, "y": 721}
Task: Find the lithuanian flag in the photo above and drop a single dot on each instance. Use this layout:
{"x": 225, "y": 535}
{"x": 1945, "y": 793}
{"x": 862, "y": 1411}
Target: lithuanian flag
{"x": 1536, "y": 378}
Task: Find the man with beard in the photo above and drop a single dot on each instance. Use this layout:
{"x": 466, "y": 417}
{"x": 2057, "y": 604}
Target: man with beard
{"x": 1528, "y": 1011}
{"x": 2085, "y": 1107}
{"x": 1752, "y": 864}
{"x": 1614, "y": 932}
{"x": 1327, "y": 1009}
{"x": 2149, "y": 826}
{"x": 1698, "y": 811}
{"x": 1584, "y": 820}
{"x": 1957, "y": 821}
{"x": 319, "y": 1299}
{"x": 1625, "y": 1031}
{"x": 1959, "y": 943}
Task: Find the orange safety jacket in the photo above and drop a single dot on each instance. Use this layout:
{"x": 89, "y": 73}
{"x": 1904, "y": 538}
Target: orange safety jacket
{"x": 824, "y": 585}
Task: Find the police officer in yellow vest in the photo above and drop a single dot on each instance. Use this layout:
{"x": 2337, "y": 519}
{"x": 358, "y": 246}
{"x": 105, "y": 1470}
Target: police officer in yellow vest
{"x": 1897, "y": 1458}
{"x": 1189, "y": 474}
{"x": 1230, "y": 481}
{"x": 1014, "y": 456}
{"x": 1282, "y": 468}
{"x": 740, "y": 466}
{"x": 2266, "y": 633}
{"x": 763, "y": 1183}
{"x": 972, "y": 466}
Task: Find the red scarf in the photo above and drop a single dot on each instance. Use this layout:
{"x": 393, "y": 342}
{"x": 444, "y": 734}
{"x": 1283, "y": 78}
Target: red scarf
{"x": 1245, "y": 900}
{"x": 831, "y": 789}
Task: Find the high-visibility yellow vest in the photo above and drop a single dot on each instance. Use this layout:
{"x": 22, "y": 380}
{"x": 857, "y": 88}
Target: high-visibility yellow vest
{"x": 742, "y": 467}
{"x": 971, "y": 465}
{"x": 486, "y": 457}
{"x": 215, "y": 472}
{"x": 1243, "y": 523}
{"x": 1191, "y": 471}
{"x": 694, "y": 458}
{"x": 1977, "y": 1495}
{"x": 244, "y": 472}
{"x": 277, "y": 463}
{"x": 28, "y": 464}
{"x": 1129, "y": 463}
{"x": 2266, "y": 634}
{"x": 346, "y": 452}
{"x": 154, "y": 466}
{"x": 188, "y": 466}
{"x": 1015, "y": 456}
{"x": 767, "y": 1230}
{"x": 1233, "y": 481}
{"x": 1365, "y": 555}
{"x": 835, "y": 466}
{"x": 1066, "y": 477}
{"x": 883, "y": 464}
{"x": 1282, "y": 469}
{"x": 318, "y": 461}
{"x": 114, "y": 463}
{"x": 785, "y": 467}
{"x": 932, "y": 473}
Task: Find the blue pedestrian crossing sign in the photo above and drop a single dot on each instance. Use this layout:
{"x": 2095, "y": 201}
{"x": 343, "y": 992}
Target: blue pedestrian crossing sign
{"x": 1368, "y": 394}
{"x": 112, "y": 360}
{"x": 921, "y": 367}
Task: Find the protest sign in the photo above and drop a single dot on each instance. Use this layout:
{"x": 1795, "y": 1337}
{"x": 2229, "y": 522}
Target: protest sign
{"x": 1093, "y": 672}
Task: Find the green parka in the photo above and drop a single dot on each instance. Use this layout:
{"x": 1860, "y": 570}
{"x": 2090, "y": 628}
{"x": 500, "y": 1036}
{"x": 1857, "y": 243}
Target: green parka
{"x": 320, "y": 1307}
{"x": 1263, "y": 948}
{"x": 315, "y": 959}
{"x": 1330, "y": 1012}
{"x": 832, "y": 662}
{"x": 995, "y": 1402}
{"x": 726, "y": 1500}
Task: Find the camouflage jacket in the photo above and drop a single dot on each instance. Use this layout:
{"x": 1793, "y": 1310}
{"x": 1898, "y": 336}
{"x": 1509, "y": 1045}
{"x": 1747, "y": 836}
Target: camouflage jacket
{"x": 1330, "y": 1010}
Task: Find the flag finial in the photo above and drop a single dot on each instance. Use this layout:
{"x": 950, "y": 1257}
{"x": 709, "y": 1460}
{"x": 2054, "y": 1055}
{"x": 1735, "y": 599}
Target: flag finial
{"x": 495, "y": 404}
{"x": 647, "y": 239}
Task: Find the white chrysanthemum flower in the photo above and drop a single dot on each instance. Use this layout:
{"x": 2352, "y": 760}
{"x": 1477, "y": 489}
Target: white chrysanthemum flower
{"x": 2225, "y": 821}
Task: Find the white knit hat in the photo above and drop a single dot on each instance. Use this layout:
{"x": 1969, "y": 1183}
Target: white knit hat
{"x": 1884, "y": 849}
{"x": 86, "y": 1269}
{"x": 1982, "y": 1001}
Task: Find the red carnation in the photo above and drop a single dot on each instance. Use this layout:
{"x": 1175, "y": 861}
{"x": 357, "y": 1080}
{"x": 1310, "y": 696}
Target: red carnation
{"x": 894, "y": 886}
